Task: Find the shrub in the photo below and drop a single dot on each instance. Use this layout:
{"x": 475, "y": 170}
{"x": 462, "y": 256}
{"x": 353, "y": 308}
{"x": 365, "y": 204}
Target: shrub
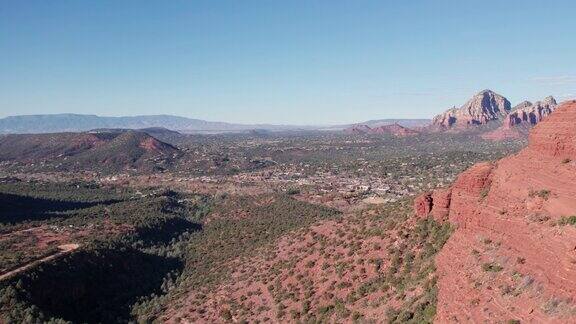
{"x": 543, "y": 193}
{"x": 570, "y": 220}
{"x": 226, "y": 314}
{"x": 484, "y": 193}
{"x": 293, "y": 191}
{"x": 492, "y": 267}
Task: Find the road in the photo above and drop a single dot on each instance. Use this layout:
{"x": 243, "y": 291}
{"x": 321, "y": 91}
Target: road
{"x": 64, "y": 249}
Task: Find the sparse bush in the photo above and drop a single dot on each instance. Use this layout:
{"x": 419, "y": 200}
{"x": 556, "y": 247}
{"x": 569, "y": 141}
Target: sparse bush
{"x": 570, "y": 220}
{"x": 484, "y": 193}
{"x": 293, "y": 191}
{"x": 492, "y": 267}
{"x": 543, "y": 193}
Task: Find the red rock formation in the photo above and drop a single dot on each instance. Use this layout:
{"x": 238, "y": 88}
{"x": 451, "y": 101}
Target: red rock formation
{"x": 441, "y": 204}
{"x": 530, "y": 114}
{"x": 484, "y": 107}
{"x": 508, "y": 257}
{"x": 435, "y": 204}
{"x": 423, "y": 204}
{"x": 522, "y": 117}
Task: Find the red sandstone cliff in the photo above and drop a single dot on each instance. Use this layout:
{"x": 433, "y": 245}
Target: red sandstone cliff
{"x": 511, "y": 256}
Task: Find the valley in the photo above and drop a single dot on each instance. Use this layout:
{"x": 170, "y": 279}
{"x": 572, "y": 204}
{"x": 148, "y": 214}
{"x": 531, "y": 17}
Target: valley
{"x": 298, "y": 162}
{"x": 313, "y": 226}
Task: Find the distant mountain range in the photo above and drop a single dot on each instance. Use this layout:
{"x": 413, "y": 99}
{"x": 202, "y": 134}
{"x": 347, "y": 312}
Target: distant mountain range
{"x": 76, "y": 122}
{"x": 54, "y": 123}
{"x": 485, "y": 108}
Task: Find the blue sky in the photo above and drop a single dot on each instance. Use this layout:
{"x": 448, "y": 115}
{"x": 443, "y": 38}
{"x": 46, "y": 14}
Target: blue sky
{"x": 289, "y": 62}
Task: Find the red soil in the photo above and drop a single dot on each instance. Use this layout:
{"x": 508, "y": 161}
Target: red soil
{"x": 87, "y": 140}
{"x": 151, "y": 144}
{"x": 321, "y": 264}
{"x": 509, "y": 257}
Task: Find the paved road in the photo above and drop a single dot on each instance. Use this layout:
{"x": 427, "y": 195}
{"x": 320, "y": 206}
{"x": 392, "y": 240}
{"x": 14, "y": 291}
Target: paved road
{"x": 64, "y": 249}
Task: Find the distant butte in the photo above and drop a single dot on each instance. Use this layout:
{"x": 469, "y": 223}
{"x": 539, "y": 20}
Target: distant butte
{"x": 491, "y": 115}
{"x": 522, "y": 118}
{"x": 482, "y": 108}
{"x": 393, "y": 129}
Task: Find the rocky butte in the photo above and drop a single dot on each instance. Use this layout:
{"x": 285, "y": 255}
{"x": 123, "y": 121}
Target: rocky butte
{"x": 512, "y": 255}
{"x": 482, "y": 108}
{"x": 522, "y": 117}
{"x": 488, "y": 107}
{"x": 529, "y": 114}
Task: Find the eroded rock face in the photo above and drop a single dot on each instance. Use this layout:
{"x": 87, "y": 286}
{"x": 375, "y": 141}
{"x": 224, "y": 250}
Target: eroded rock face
{"x": 470, "y": 187}
{"x": 441, "y": 204}
{"x": 509, "y": 257}
{"x": 435, "y": 204}
{"x": 522, "y": 118}
{"x": 484, "y": 107}
{"x": 530, "y": 114}
{"x": 423, "y": 204}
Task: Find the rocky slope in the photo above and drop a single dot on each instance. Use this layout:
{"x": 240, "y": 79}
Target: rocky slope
{"x": 373, "y": 266}
{"x": 482, "y": 108}
{"x": 512, "y": 256}
{"x": 394, "y": 130}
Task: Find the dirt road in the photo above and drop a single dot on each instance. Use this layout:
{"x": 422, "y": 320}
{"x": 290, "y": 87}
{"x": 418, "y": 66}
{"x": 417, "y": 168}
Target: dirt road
{"x": 64, "y": 249}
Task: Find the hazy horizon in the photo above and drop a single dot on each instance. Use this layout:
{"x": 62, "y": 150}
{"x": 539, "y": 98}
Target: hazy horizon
{"x": 212, "y": 121}
{"x": 298, "y": 63}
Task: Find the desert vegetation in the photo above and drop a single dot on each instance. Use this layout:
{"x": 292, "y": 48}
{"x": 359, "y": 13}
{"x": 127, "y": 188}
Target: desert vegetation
{"x": 313, "y": 227}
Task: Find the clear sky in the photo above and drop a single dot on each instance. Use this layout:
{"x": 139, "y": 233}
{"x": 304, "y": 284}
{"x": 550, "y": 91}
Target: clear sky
{"x": 297, "y": 62}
